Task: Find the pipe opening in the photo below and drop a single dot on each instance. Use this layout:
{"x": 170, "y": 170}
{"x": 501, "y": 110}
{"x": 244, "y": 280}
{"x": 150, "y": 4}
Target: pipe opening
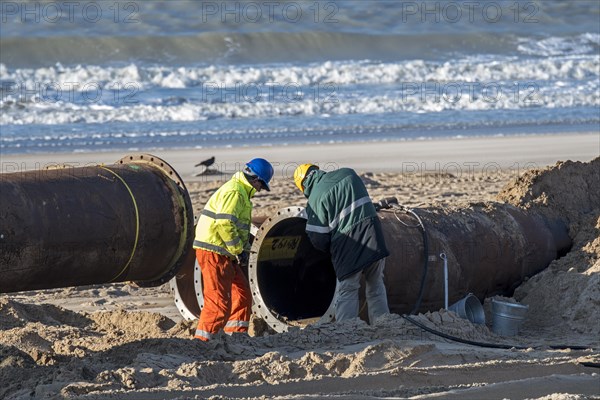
{"x": 295, "y": 281}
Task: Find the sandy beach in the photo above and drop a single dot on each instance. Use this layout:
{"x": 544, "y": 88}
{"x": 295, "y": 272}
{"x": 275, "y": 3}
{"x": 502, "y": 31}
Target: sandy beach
{"x": 119, "y": 341}
{"x": 456, "y": 156}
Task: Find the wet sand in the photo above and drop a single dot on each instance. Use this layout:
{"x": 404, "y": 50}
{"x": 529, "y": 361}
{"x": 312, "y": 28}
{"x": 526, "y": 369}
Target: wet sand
{"x": 447, "y": 155}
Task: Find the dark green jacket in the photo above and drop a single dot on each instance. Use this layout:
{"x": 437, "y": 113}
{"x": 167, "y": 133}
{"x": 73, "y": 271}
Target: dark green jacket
{"x": 342, "y": 220}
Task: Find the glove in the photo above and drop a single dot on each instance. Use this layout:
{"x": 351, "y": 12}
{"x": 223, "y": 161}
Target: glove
{"x": 243, "y": 258}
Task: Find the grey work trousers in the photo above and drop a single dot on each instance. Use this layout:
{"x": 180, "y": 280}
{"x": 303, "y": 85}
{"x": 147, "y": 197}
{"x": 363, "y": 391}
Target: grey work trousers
{"x": 346, "y": 306}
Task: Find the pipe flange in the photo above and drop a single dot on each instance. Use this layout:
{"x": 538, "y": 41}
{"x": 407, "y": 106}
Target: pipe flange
{"x": 259, "y": 306}
{"x": 186, "y": 309}
{"x": 186, "y": 289}
{"x": 198, "y": 286}
{"x": 180, "y": 303}
{"x": 188, "y": 214}
{"x": 164, "y": 166}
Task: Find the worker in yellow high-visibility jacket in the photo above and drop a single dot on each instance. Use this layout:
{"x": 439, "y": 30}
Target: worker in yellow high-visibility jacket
{"x": 221, "y": 237}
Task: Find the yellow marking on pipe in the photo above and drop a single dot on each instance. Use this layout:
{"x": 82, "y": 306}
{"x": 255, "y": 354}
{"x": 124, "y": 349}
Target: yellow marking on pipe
{"x": 279, "y": 247}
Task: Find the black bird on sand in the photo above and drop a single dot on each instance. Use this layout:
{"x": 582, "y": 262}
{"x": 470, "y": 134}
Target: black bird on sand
{"x": 207, "y": 163}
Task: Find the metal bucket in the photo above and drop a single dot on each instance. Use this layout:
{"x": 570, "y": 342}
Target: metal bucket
{"x": 469, "y": 308}
{"x": 507, "y": 317}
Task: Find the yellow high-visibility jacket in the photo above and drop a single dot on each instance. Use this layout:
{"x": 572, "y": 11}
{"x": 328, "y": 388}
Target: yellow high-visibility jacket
{"x": 224, "y": 224}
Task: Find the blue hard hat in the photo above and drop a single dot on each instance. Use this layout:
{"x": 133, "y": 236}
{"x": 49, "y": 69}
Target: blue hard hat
{"x": 262, "y": 169}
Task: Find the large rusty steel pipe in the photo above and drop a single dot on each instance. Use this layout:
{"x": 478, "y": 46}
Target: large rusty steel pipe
{"x": 60, "y": 227}
{"x": 490, "y": 248}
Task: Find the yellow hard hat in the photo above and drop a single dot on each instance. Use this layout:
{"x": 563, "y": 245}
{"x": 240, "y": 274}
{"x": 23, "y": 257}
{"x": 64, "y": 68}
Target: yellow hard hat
{"x": 301, "y": 172}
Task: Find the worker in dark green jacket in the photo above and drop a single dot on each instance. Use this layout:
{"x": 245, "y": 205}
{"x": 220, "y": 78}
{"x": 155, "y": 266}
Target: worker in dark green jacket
{"x": 342, "y": 221}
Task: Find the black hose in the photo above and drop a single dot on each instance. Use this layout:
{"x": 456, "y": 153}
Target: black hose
{"x": 392, "y": 203}
{"x": 421, "y": 226}
{"x": 490, "y": 345}
{"x": 590, "y": 364}
{"x": 567, "y": 347}
{"x": 460, "y": 340}
{"x": 425, "y": 264}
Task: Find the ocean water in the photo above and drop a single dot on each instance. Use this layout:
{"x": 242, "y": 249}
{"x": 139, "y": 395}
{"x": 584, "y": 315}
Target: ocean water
{"x": 132, "y": 75}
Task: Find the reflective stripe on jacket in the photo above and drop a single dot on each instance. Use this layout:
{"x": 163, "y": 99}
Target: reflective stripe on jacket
{"x": 342, "y": 220}
{"x": 224, "y": 224}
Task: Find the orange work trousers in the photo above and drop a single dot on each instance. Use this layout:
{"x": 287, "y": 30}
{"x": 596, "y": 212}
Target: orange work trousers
{"x": 227, "y": 297}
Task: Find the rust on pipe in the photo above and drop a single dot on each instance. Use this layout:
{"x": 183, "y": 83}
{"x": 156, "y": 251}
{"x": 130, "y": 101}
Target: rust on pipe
{"x": 60, "y": 227}
{"x": 490, "y": 248}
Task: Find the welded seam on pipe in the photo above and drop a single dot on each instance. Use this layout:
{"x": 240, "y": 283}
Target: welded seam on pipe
{"x": 179, "y": 190}
{"x": 137, "y": 222}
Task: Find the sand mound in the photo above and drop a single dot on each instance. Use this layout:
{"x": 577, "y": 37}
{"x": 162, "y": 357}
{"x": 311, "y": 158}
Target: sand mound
{"x": 122, "y": 351}
{"x": 569, "y": 189}
{"x": 14, "y": 314}
{"x": 142, "y": 324}
{"x": 354, "y": 359}
{"x": 566, "y": 296}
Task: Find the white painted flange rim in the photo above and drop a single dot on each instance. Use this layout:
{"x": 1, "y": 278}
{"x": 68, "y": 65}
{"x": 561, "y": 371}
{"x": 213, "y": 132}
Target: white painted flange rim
{"x": 259, "y": 306}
